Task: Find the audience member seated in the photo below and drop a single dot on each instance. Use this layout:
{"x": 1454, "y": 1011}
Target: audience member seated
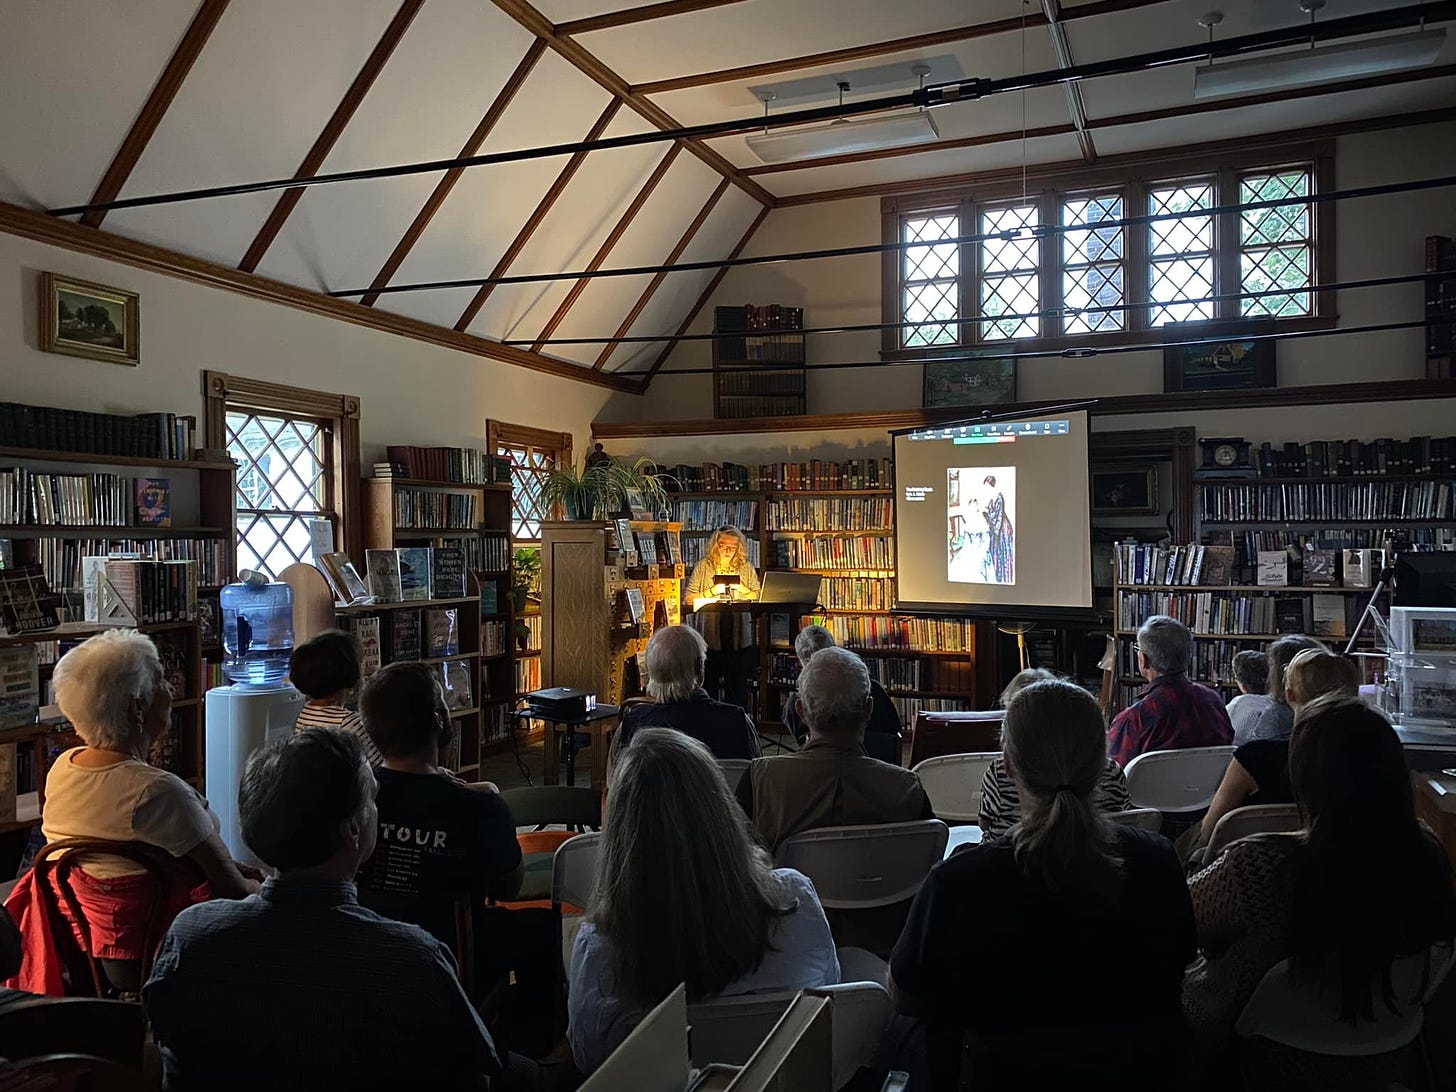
{"x": 1277, "y": 719}
{"x": 882, "y": 733}
{"x": 1362, "y": 884}
{"x": 1251, "y": 673}
{"x": 830, "y": 781}
{"x": 1038, "y": 996}
{"x": 1175, "y": 712}
{"x": 112, "y": 690}
{"x": 684, "y": 895}
{"x": 676, "y": 660}
{"x": 326, "y": 668}
{"x": 1259, "y": 770}
{"x": 1000, "y": 800}
{"x": 439, "y": 839}
{"x": 299, "y": 987}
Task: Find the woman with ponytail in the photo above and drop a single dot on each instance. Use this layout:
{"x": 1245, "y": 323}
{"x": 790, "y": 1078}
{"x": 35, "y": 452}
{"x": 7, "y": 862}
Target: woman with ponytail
{"x": 1043, "y": 948}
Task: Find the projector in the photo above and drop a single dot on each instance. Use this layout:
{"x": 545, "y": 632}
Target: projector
{"x": 564, "y": 702}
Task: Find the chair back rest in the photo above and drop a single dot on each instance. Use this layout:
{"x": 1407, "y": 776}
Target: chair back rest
{"x": 76, "y": 1072}
{"x": 1141, "y": 818}
{"x": 733, "y": 770}
{"x": 798, "y": 1053}
{"x": 954, "y": 733}
{"x": 860, "y": 867}
{"x": 114, "y": 1030}
{"x": 1177, "y": 782}
{"x": 574, "y": 870}
{"x": 654, "y": 1057}
{"x": 1253, "y": 819}
{"x": 1304, "y": 1016}
{"x": 1425, "y": 757}
{"x": 544, "y": 805}
{"x": 953, "y": 783}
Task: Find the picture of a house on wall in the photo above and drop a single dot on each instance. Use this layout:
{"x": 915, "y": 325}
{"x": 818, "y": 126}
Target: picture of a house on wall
{"x": 986, "y": 382}
{"x": 78, "y": 318}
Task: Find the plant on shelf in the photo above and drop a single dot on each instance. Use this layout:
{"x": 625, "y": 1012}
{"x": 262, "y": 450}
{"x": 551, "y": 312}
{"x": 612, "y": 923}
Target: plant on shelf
{"x": 600, "y": 488}
{"x": 525, "y": 583}
{"x": 652, "y": 483}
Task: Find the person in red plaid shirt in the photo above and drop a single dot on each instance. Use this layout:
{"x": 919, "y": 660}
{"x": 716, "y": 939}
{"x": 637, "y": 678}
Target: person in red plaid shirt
{"x": 1176, "y": 712}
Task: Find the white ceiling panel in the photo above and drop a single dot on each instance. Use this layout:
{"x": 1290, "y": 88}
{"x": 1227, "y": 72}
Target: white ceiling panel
{"x": 73, "y": 76}
{"x": 560, "y": 11}
{"x": 764, "y": 30}
{"x": 256, "y": 100}
{"x": 442, "y": 308}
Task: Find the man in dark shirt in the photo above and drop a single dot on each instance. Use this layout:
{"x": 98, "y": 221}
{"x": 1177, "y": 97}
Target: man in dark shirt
{"x": 882, "y": 733}
{"x": 676, "y": 659}
{"x": 299, "y": 987}
{"x": 1176, "y": 712}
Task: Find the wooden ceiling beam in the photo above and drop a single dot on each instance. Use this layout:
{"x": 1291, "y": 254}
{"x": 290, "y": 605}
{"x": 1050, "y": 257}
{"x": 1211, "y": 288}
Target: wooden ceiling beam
{"x": 613, "y": 237}
{"x": 880, "y": 49}
{"x": 333, "y": 129}
{"x": 656, "y": 282}
{"x": 542, "y": 210}
{"x": 639, "y": 15}
{"x": 1062, "y": 50}
{"x": 589, "y": 65}
{"x": 447, "y": 183}
{"x": 706, "y": 296}
{"x": 204, "y": 21}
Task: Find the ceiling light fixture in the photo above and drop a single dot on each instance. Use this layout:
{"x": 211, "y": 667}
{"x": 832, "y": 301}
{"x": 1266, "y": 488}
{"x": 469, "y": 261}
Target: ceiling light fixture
{"x": 846, "y": 135}
{"x": 1318, "y": 64}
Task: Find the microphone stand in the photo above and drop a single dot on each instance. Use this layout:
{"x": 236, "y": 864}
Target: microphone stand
{"x": 1387, "y": 574}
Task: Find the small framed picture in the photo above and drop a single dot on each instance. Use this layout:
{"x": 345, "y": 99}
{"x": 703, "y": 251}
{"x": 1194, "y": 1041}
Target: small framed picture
{"x": 637, "y": 505}
{"x": 982, "y": 381}
{"x": 1238, "y": 360}
{"x": 1130, "y": 490}
{"x": 78, "y": 318}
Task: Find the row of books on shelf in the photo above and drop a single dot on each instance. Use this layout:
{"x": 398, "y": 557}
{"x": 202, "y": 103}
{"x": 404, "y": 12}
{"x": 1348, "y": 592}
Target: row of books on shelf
{"x": 1440, "y": 295}
{"x": 156, "y": 435}
{"x": 138, "y": 591}
{"x": 495, "y": 637}
{"x": 408, "y": 573}
{"x": 1352, "y": 458}
{"x": 528, "y": 674}
{"x": 1250, "y": 544}
{"x": 19, "y": 686}
{"x": 695, "y": 546}
{"x": 60, "y": 558}
{"x": 457, "y": 465}
{"x": 532, "y": 622}
{"x": 1326, "y": 500}
{"x": 816, "y": 474}
{"x": 709, "y": 515}
{"x": 896, "y": 674}
{"x": 831, "y": 514}
{"x": 405, "y": 635}
{"x": 497, "y": 723}
{"x": 1215, "y": 565}
{"x": 648, "y": 547}
{"x": 757, "y": 316}
{"x": 857, "y": 593}
{"x": 83, "y": 500}
{"x": 431, "y": 510}
{"x": 485, "y": 552}
{"x": 898, "y": 631}
{"x": 835, "y": 553}
{"x": 1224, "y": 614}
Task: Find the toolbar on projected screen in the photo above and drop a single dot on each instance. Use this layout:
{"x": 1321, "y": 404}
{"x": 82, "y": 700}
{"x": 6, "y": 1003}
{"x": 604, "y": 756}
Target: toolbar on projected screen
{"x": 1004, "y": 432}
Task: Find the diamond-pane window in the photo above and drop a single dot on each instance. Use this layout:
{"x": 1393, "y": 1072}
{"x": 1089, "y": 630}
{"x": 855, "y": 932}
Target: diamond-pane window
{"x": 283, "y": 484}
{"x": 1010, "y": 273}
{"x": 1276, "y": 245}
{"x": 1180, "y": 253}
{"x": 1092, "y": 264}
{"x": 930, "y": 280}
{"x": 529, "y": 466}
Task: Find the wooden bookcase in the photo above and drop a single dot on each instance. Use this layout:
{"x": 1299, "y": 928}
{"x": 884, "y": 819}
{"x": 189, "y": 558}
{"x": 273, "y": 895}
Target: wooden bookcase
{"x": 487, "y": 542}
{"x": 758, "y": 362}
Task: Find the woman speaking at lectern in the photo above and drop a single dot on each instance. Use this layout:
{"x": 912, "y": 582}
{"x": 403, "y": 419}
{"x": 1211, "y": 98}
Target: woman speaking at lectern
{"x": 729, "y": 634}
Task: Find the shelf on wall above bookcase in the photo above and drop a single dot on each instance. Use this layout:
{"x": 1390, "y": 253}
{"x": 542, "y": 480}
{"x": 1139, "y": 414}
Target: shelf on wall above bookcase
{"x": 1328, "y": 522}
{"x": 76, "y": 530}
{"x": 367, "y": 608}
{"x": 43, "y": 455}
{"x": 1276, "y": 589}
{"x": 1343, "y": 479}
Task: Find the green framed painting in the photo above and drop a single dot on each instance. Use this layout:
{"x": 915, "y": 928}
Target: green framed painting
{"x": 979, "y": 381}
{"x": 79, "y": 318}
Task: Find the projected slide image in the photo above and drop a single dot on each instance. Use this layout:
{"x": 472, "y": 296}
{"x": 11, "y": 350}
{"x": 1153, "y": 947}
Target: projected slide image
{"x": 981, "y": 524}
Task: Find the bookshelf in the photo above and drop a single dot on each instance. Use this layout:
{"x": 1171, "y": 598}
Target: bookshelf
{"x": 405, "y": 511}
{"x": 758, "y": 361}
{"x": 1440, "y": 306}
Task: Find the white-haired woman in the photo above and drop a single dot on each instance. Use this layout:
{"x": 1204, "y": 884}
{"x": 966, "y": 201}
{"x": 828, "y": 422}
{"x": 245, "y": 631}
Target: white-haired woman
{"x": 684, "y": 894}
{"x": 729, "y": 635}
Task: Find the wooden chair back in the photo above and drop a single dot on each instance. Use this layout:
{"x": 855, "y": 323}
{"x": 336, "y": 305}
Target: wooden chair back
{"x": 936, "y": 734}
{"x": 114, "y": 1030}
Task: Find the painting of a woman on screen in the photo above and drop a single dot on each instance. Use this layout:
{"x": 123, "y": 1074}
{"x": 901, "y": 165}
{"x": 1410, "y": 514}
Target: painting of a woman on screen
{"x": 981, "y": 515}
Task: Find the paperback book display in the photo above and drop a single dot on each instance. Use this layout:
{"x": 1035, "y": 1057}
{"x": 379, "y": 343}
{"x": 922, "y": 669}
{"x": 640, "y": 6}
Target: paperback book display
{"x": 414, "y": 572}
{"x": 442, "y": 632}
{"x": 19, "y": 686}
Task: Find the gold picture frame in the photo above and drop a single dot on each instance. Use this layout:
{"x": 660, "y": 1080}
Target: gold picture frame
{"x": 94, "y": 321}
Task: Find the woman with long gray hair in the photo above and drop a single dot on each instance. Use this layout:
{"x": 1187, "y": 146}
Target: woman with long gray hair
{"x": 1054, "y": 991}
{"x": 684, "y": 894}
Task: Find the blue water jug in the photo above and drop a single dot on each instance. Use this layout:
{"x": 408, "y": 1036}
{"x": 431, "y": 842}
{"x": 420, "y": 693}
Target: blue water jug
{"x": 257, "y": 630}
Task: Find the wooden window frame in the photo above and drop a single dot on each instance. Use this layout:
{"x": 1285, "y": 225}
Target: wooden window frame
{"x": 1133, "y": 181}
{"x": 503, "y": 432}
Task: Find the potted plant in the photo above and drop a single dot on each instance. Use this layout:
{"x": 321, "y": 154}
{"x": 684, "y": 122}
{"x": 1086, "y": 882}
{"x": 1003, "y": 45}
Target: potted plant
{"x": 644, "y": 477}
{"x": 525, "y": 583}
{"x": 593, "y": 492}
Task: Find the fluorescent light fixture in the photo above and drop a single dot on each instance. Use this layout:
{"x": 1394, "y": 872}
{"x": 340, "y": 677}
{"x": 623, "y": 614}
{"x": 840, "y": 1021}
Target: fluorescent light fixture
{"x": 843, "y": 136}
{"x": 1333, "y": 62}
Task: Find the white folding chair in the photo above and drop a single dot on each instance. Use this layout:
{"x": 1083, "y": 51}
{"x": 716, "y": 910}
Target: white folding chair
{"x": 733, "y": 770}
{"x": 574, "y": 882}
{"x": 1253, "y": 819}
{"x": 953, "y": 783}
{"x": 1177, "y": 782}
{"x": 1141, "y": 818}
{"x": 654, "y": 1057}
{"x": 860, "y": 867}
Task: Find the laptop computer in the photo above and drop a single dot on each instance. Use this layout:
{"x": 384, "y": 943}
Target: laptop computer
{"x": 798, "y": 588}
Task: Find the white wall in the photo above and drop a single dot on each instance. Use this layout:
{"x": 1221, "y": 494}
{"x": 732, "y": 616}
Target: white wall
{"x": 1378, "y": 236}
{"x": 410, "y": 392}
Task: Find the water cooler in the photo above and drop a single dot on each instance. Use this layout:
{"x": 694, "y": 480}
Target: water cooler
{"x": 257, "y": 637}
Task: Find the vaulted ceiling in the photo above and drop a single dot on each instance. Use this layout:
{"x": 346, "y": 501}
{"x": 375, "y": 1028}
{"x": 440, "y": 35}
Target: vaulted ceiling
{"x": 102, "y": 99}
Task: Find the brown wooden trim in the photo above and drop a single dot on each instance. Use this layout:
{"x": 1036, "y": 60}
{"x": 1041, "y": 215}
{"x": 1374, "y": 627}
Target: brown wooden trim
{"x": 31, "y": 224}
{"x": 589, "y": 65}
{"x": 1400, "y": 390}
{"x": 660, "y": 276}
{"x": 332, "y": 130}
{"x": 639, "y": 15}
{"x": 543, "y": 208}
{"x": 528, "y": 436}
{"x": 447, "y": 182}
{"x": 707, "y": 294}
{"x": 204, "y": 21}
{"x": 1175, "y": 444}
{"x": 607, "y": 244}
{"x": 879, "y": 49}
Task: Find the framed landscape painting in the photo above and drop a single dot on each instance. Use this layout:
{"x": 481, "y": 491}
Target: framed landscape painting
{"x": 983, "y": 381}
{"x": 78, "y": 318}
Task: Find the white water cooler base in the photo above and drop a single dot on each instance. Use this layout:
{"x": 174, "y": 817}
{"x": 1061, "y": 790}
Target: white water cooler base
{"x": 241, "y": 719}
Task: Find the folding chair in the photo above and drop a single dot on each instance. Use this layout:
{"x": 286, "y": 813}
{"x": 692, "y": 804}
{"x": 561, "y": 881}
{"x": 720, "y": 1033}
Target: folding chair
{"x": 733, "y": 770}
{"x": 1252, "y": 819}
{"x": 114, "y": 1030}
{"x": 1141, "y": 818}
{"x": 953, "y": 783}
{"x": 1178, "y": 783}
{"x": 861, "y": 867}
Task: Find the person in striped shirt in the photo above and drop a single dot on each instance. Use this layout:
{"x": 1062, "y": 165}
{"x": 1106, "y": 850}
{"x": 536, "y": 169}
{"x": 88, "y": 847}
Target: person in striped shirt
{"x": 1000, "y": 799}
{"x": 326, "y": 668}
